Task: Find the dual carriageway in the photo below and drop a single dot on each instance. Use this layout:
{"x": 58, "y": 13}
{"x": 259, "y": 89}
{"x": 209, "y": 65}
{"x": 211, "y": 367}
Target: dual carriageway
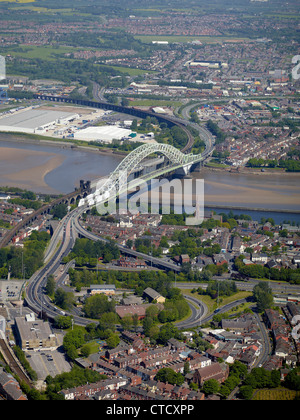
{"x": 70, "y": 228}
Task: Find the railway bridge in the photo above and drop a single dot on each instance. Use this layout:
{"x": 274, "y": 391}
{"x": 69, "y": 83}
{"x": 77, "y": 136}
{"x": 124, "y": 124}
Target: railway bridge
{"x": 176, "y": 159}
{"x": 123, "y": 110}
{"x": 68, "y": 199}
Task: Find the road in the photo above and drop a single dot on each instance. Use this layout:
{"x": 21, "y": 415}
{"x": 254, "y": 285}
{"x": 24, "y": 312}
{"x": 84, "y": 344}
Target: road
{"x": 70, "y": 227}
{"x": 65, "y": 236}
{"x": 247, "y": 286}
{"x": 61, "y": 245}
{"x": 98, "y": 92}
{"x": 199, "y": 310}
{"x": 266, "y": 343}
{"x": 63, "y": 242}
{"x": 204, "y": 134}
{"x": 158, "y": 262}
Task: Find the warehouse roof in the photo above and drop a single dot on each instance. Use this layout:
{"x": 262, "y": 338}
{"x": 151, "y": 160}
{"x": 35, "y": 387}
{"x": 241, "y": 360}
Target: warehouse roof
{"x": 32, "y": 118}
{"x": 104, "y": 133}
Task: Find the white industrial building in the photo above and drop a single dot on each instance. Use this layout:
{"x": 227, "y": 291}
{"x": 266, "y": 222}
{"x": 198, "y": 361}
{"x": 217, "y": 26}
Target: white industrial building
{"x": 35, "y": 121}
{"x": 105, "y": 134}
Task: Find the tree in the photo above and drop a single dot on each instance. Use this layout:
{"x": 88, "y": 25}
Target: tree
{"x": 262, "y": 378}
{"x": 292, "y": 380}
{"x": 147, "y": 324}
{"x": 63, "y": 322}
{"x": 211, "y": 386}
{"x": 134, "y": 125}
{"x": 135, "y": 320}
{"x": 125, "y": 102}
{"x": 186, "y": 368}
{"x": 239, "y": 369}
{"x": 63, "y": 299}
{"x": 168, "y": 375}
{"x": 86, "y": 350}
{"x": 246, "y": 392}
{"x": 113, "y": 341}
{"x": 28, "y": 195}
{"x": 73, "y": 340}
{"x": 168, "y": 331}
{"x": 59, "y": 211}
{"x": 153, "y": 333}
{"x": 50, "y": 286}
{"x": 126, "y": 322}
{"x": 263, "y": 296}
{"x": 97, "y": 305}
{"x": 109, "y": 321}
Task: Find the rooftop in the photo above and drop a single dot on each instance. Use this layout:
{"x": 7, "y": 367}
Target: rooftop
{"x": 31, "y": 119}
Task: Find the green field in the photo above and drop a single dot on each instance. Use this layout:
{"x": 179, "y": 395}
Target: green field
{"x": 53, "y": 52}
{"x": 42, "y": 52}
{"x": 184, "y": 39}
{"x": 212, "y": 304}
{"x": 131, "y": 71}
{"x": 277, "y": 394}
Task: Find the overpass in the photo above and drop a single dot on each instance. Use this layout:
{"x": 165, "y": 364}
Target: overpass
{"x": 82, "y": 232}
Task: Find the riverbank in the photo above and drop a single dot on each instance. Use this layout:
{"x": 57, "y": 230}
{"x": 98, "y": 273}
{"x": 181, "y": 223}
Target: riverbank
{"x": 28, "y": 169}
{"x": 48, "y": 141}
{"x": 256, "y": 209}
{"x": 51, "y": 167}
{"x": 251, "y": 171}
{"x": 251, "y": 190}
{"x": 56, "y": 168}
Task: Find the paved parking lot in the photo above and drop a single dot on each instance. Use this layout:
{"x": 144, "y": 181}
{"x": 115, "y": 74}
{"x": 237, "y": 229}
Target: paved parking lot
{"x": 46, "y": 363}
{"x": 10, "y": 290}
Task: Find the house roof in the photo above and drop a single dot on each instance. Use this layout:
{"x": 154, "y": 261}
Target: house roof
{"x": 153, "y": 294}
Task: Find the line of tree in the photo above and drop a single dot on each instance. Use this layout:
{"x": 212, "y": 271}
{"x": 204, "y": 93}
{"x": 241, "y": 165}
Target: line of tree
{"x": 219, "y": 288}
{"x": 87, "y": 252}
{"x": 216, "y": 131}
{"x": 290, "y": 165}
{"x": 290, "y": 275}
{"x": 29, "y": 259}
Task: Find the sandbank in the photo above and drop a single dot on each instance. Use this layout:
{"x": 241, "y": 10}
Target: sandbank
{"x": 23, "y": 174}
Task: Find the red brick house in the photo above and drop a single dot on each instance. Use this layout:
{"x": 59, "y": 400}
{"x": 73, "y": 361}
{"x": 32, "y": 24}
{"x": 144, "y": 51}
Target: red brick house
{"x": 216, "y": 371}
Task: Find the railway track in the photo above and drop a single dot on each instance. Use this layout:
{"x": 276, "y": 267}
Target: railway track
{"x": 124, "y": 110}
{"x": 12, "y": 362}
{"x": 29, "y": 219}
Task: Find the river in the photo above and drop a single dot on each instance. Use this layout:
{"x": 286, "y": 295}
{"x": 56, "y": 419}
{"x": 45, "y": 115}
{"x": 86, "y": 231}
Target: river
{"x": 58, "y": 170}
{"x": 51, "y": 169}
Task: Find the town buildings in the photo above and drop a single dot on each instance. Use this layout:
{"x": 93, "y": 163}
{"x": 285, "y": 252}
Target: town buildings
{"x": 33, "y": 334}
{"x": 10, "y": 388}
{"x": 132, "y": 366}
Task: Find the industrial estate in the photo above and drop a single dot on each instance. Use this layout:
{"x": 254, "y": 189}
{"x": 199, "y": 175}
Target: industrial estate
{"x": 157, "y": 302}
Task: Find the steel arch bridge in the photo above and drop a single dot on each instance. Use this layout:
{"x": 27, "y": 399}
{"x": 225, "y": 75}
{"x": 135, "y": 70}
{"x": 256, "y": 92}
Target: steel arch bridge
{"x": 118, "y": 178}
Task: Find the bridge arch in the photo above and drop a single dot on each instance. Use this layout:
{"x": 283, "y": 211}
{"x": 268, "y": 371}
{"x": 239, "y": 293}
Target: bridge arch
{"x": 119, "y": 176}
